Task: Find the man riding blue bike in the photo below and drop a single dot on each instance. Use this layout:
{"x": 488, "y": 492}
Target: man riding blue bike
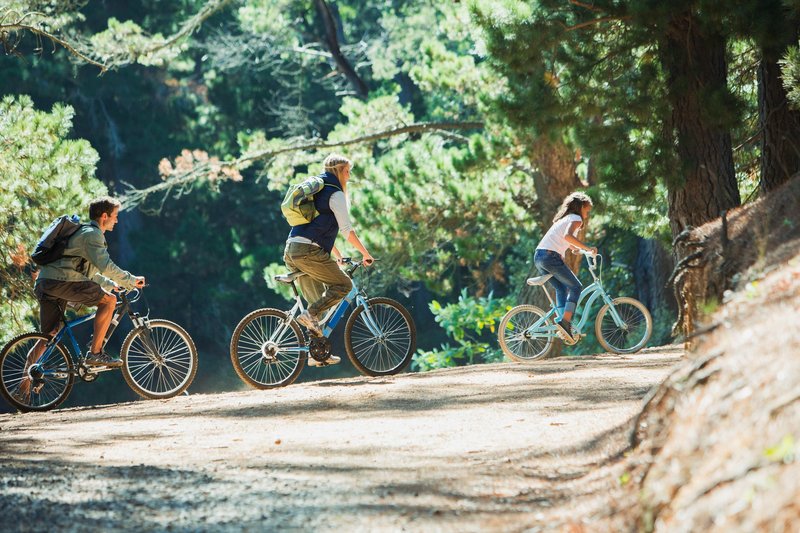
{"x": 85, "y": 275}
{"x": 310, "y": 246}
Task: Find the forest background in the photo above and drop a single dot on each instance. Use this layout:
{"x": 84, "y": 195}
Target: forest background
{"x": 468, "y": 123}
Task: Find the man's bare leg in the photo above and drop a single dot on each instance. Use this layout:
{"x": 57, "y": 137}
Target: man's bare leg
{"x": 105, "y": 311}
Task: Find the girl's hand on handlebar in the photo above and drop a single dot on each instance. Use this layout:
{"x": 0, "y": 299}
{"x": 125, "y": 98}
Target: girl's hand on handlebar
{"x": 367, "y": 260}
{"x": 139, "y": 281}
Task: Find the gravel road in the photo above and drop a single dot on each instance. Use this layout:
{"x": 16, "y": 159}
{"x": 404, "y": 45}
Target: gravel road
{"x": 502, "y": 447}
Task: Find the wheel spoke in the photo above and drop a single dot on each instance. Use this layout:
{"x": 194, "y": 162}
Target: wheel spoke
{"x": 267, "y": 329}
{"x": 517, "y": 338}
{"x": 56, "y": 380}
{"x": 162, "y": 366}
{"x": 387, "y": 352}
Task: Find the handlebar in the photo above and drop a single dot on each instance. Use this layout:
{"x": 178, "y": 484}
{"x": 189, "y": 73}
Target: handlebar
{"x": 354, "y": 265}
{"x": 592, "y": 259}
{"x": 132, "y": 295}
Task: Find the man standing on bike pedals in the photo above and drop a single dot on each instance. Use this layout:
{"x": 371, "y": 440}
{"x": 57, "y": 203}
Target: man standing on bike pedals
{"x": 310, "y": 246}
{"x": 549, "y": 256}
{"x": 85, "y": 275}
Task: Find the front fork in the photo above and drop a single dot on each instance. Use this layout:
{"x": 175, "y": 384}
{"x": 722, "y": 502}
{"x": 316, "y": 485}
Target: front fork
{"x": 143, "y": 323}
{"x": 369, "y": 320}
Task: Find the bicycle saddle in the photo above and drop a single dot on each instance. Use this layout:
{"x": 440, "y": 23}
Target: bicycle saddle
{"x": 289, "y": 276}
{"x": 539, "y": 280}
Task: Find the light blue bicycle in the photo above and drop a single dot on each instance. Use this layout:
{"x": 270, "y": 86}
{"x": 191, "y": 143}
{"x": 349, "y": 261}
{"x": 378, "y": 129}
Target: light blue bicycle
{"x": 269, "y": 349}
{"x": 623, "y": 325}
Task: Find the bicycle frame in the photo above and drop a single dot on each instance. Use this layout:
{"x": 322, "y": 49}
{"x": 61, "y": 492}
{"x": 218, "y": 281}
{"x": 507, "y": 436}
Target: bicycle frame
{"x": 332, "y": 320}
{"x": 585, "y": 302}
{"x": 73, "y": 347}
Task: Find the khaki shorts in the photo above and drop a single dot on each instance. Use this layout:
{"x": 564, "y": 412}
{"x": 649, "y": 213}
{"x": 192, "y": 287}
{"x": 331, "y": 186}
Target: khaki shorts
{"x": 53, "y": 296}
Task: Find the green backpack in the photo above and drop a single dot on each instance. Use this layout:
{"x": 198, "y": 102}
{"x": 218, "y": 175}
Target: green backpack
{"x": 298, "y": 205}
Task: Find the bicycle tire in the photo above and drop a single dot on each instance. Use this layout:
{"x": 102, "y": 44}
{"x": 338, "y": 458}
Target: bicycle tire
{"x": 252, "y": 351}
{"x": 8, "y": 373}
{"x": 608, "y": 336}
{"x": 397, "y": 360}
{"x": 178, "y": 369}
{"x": 540, "y": 346}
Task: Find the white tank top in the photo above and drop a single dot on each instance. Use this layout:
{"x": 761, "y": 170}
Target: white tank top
{"x": 554, "y": 238}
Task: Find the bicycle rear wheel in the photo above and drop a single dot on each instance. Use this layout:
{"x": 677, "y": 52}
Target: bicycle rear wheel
{"x": 159, "y": 360}
{"x": 518, "y": 340}
{"x": 386, "y": 349}
{"x": 53, "y": 378}
{"x": 266, "y": 349}
{"x": 632, "y": 334}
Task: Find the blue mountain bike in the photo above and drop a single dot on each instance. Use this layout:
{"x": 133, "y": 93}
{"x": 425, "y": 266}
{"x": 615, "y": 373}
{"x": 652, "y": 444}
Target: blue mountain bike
{"x": 269, "y": 349}
{"x": 159, "y": 360}
{"x": 623, "y": 325}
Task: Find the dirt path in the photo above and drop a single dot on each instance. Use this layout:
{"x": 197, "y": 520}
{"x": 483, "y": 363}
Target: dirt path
{"x": 492, "y": 447}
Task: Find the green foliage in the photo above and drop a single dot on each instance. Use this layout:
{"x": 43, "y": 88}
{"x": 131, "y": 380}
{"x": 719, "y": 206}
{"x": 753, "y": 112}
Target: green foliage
{"x": 283, "y": 290}
{"x": 791, "y": 75}
{"x": 471, "y": 322}
{"x": 44, "y": 175}
{"x": 127, "y": 41}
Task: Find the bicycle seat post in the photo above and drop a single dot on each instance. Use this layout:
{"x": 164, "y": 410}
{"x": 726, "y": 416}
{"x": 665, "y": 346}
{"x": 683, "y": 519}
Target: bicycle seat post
{"x": 549, "y": 298}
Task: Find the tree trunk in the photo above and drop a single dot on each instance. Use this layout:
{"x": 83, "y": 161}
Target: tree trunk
{"x": 332, "y": 42}
{"x": 780, "y": 125}
{"x": 651, "y": 271}
{"x": 694, "y": 59}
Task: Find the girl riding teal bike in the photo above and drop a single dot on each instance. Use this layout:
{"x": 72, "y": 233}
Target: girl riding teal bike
{"x": 527, "y": 333}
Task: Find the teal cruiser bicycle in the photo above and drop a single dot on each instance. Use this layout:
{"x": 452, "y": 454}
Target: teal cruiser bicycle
{"x": 159, "y": 360}
{"x": 269, "y": 349}
{"x": 623, "y": 325}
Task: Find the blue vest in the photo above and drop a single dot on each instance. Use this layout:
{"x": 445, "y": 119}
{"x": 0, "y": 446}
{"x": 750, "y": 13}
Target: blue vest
{"x": 323, "y": 229}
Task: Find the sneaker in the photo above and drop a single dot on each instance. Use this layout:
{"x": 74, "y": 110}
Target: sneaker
{"x": 331, "y": 360}
{"x": 310, "y": 322}
{"x": 102, "y": 359}
{"x": 565, "y": 330}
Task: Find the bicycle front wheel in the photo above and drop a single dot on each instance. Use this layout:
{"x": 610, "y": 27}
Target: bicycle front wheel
{"x": 41, "y": 388}
{"x": 159, "y": 360}
{"x": 519, "y": 340}
{"x": 630, "y": 333}
{"x": 381, "y": 341}
{"x": 267, "y": 349}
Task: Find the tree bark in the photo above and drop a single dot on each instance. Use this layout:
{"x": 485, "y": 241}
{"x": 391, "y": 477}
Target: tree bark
{"x": 780, "y": 125}
{"x": 332, "y": 42}
{"x": 651, "y": 271}
{"x": 694, "y": 59}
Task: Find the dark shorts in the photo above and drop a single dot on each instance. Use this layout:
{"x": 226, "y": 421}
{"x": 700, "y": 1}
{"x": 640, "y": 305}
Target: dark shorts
{"x": 53, "y": 296}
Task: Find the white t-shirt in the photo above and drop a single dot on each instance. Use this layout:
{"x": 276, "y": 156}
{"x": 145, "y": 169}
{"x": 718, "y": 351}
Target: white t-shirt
{"x": 554, "y": 238}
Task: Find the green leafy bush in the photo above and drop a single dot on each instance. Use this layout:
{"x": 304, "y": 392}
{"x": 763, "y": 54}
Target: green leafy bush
{"x": 472, "y": 323}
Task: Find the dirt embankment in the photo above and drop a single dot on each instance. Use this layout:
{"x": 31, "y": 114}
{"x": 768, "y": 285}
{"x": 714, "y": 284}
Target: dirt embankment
{"x": 718, "y": 446}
